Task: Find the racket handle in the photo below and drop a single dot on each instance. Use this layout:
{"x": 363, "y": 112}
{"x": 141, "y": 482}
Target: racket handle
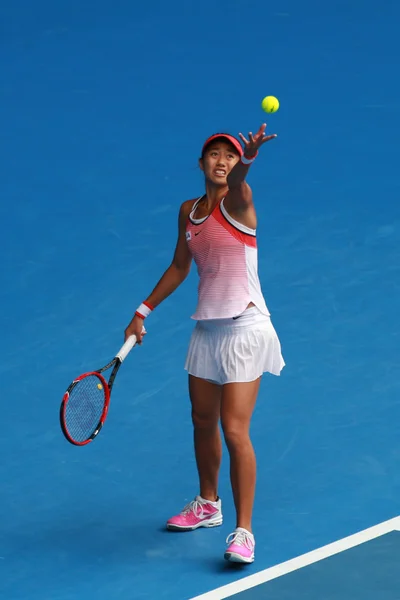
{"x": 126, "y": 348}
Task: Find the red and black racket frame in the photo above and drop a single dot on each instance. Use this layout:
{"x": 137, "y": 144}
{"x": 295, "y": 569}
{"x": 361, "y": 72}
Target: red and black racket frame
{"x": 107, "y": 387}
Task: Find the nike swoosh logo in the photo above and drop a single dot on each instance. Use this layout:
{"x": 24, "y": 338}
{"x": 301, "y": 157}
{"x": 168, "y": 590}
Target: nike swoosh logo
{"x": 207, "y": 516}
{"x": 238, "y": 317}
{"x": 197, "y": 232}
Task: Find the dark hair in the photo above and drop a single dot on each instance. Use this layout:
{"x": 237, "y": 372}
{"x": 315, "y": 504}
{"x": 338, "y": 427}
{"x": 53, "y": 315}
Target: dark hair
{"x": 222, "y": 136}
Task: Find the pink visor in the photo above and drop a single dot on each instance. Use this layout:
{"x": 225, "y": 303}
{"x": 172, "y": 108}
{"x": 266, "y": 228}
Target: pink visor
{"x": 229, "y": 138}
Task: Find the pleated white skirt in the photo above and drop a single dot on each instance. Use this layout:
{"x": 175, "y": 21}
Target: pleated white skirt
{"x": 234, "y": 350}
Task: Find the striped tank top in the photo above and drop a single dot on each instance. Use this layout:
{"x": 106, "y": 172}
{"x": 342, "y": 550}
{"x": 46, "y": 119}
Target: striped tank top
{"x": 225, "y": 253}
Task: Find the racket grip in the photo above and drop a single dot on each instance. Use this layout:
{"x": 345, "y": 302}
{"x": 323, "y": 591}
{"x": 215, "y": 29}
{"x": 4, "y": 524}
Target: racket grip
{"x": 126, "y": 348}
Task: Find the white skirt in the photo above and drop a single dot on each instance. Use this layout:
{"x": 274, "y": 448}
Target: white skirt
{"x": 234, "y": 350}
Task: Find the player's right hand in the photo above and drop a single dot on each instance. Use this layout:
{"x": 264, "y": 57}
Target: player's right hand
{"x": 136, "y": 327}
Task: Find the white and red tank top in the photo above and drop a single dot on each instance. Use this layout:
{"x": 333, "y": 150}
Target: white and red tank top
{"x": 225, "y": 253}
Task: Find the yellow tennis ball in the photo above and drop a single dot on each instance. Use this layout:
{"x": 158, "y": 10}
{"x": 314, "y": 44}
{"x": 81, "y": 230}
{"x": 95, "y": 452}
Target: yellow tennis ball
{"x": 99, "y": 386}
{"x": 270, "y": 104}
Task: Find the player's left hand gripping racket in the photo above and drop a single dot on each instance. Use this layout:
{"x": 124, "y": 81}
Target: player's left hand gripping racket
{"x": 85, "y": 404}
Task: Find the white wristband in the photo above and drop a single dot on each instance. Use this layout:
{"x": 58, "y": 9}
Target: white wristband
{"x": 144, "y": 310}
{"x": 247, "y": 161}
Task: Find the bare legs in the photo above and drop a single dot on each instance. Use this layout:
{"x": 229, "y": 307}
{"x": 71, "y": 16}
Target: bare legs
{"x": 206, "y": 405}
{"x": 233, "y": 403}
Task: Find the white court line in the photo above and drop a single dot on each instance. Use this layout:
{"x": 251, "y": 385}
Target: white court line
{"x": 302, "y": 561}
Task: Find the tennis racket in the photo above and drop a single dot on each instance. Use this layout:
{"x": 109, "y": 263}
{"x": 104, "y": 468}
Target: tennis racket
{"x": 84, "y": 406}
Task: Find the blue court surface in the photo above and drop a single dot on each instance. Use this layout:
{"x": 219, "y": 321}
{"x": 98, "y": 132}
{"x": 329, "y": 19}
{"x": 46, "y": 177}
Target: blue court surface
{"x": 104, "y": 110}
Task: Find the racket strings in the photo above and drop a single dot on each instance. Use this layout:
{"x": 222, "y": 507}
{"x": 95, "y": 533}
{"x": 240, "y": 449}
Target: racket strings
{"x": 84, "y": 408}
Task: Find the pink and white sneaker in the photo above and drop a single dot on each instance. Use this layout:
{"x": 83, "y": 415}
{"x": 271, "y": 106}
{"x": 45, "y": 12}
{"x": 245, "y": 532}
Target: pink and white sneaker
{"x": 198, "y": 513}
{"x": 240, "y": 546}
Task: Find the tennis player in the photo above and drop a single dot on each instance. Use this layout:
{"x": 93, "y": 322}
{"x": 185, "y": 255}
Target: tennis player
{"x": 233, "y": 342}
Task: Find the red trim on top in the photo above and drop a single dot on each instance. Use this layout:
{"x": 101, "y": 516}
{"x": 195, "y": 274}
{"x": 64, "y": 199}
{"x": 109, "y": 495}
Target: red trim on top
{"x": 148, "y": 305}
{"x": 245, "y": 238}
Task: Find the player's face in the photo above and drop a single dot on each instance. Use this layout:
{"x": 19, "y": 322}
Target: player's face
{"x": 219, "y": 159}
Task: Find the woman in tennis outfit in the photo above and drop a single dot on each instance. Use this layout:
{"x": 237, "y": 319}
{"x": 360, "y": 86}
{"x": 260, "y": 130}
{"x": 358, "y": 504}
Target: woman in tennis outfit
{"x": 233, "y": 342}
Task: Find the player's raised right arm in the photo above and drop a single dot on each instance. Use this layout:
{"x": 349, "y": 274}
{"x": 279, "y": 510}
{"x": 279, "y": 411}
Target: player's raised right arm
{"x": 172, "y": 277}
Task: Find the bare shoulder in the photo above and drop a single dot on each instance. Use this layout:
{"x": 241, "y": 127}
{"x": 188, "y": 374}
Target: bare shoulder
{"x": 186, "y": 207}
{"x": 239, "y": 205}
{"x": 184, "y": 213}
